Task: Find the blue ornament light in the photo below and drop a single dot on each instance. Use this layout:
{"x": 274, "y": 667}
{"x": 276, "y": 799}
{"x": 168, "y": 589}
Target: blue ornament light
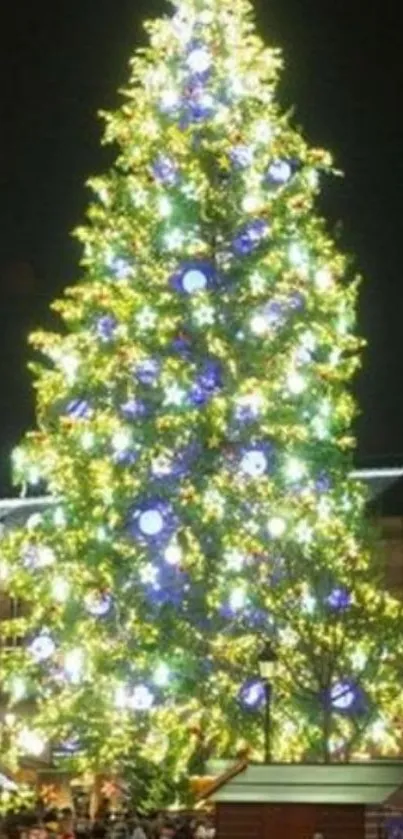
{"x": 78, "y": 409}
{"x": 241, "y": 156}
{"x": 250, "y": 237}
{"x": 105, "y": 328}
{"x": 194, "y": 277}
{"x": 178, "y": 465}
{"x": 274, "y": 314}
{"x": 296, "y": 301}
{"x": 279, "y": 173}
{"x": 147, "y": 372}
{"x": 200, "y": 105}
{"x": 182, "y": 345}
{"x": 339, "y": 599}
{"x": 134, "y": 409}
{"x": 165, "y": 171}
{"x": 152, "y": 521}
{"x": 252, "y": 694}
{"x": 346, "y": 697}
{"x": 208, "y": 383}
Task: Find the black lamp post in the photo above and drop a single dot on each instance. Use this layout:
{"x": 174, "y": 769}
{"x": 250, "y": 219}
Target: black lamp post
{"x": 267, "y": 664}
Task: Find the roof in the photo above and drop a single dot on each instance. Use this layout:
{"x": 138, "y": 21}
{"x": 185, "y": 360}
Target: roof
{"x": 355, "y": 783}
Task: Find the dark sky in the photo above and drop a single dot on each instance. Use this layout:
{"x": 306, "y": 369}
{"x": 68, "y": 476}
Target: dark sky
{"x": 62, "y": 61}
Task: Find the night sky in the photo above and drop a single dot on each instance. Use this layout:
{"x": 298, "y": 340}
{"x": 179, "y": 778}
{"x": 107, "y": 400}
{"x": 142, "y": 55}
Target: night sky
{"x": 60, "y": 62}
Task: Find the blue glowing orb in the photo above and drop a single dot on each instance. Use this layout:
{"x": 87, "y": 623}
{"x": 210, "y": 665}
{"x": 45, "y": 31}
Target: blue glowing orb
{"x": 250, "y": 237}
{"x": 252, "y": 694}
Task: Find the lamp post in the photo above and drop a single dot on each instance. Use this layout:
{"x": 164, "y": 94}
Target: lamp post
{"x": 267, "y": 663}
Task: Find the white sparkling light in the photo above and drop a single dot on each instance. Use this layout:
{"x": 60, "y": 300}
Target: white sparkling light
{"x": 59, "y": 517}
{"x": 174, "y": 239}
{"x": 237, "y": 599}
{"x": 253, "y": 402}
{"x": 87, "y": 440}
{"x": 121, "y": 441}
{"x": 204, "y": 315}
{"x": 276, "y": 527}
{"x": 149, "y": 575}
{"x": 294, "y": 469}
{"x": 18, "y": 688}
{"x": 31, "y": 742}
{"x": 263, "y": 131}
{"x": 74, "y": 665}
{"x": 304, "y": 533}
{"x": 308, "y": 603}
{"x": 42, "y": 648}
{"x": 162, "y": 675}
{"x": 298, "y": 256}
{"x": 324, "y": 280}
{"x": 169, "y": 99}
{"x": 146, "y": 318}
{"x": 164, "y": 206}
{"x": 257, "y": 283}
{"x": 254, "y": 464}
{"x": 174, "y": 395}
{"x": 69, "y": 364}
{"x": 296, "y": 383}
{"x": 235, "y": 560}
{"x": 258, "y": 324}
{"x": 199, "y": 60}
{"x": 141, "y": 699}
{"x": 60, "y": 589}
{"x": 173, "y": 554}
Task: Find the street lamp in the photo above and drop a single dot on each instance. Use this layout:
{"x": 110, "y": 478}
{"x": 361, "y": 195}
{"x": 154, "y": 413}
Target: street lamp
{"x": 267, "y": 664}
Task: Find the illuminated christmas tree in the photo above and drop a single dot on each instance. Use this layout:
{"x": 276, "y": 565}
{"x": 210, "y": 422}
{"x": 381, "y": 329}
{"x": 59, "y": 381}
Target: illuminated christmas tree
{"x": 195, "y": 428}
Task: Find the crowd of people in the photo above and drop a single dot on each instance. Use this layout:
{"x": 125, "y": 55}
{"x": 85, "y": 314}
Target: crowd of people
{"x": 64, "y": 824}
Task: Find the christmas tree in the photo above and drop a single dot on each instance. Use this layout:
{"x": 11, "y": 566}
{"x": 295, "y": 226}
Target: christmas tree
{"x": 194, "y": 429}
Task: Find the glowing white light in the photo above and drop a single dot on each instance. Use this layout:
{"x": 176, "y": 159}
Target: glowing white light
{"x": 237, "y": 600}
{"x": 296, "y": 383}
{"x": 303, "y": 533}
{"x": 162, "y": 675}
{"x": 70, "y": 365}
{"x": 102, "y": 534}
{"x": 121, "y": 698}
{"x": 308, "y": 603}
{"x": 320, "y": 428}
{"x": 276, "y": 527}
{"x": 42, "y": 648}
{"x": 164, "y": 206}
{"x": 4, "y": 571}
{"x": 59, "y": 517}
{"x": 194, "y": 281}
{"x": 257, "y": 283}
{"x": 235, "y": 560}
{"x": 121, "y": 441}
{"x": 258, "y": 324}
{"x": 359, "y": 659}
{"x": 169, "y": 99}
{"x": 60, "y": 589}
{"x": 87, "y": 440}
{"x": 151, "y": 522}
{"x": 173, "y": 554}
{"x": 74, "y": 665}
{"x": 252, "y": 402}
{"x": 146, "y": 318}
{"x": 199, "y": 60}
{"x": 33, "y": 475}
{"x": 294, "y": 469}
{"x": 149, "y": 575}
{"x": 174, "y": 239}
{"x": 379, "y": 730}
{"x": 342, "y": 697}
{"x": 174, "y": 395}
{"x": 31, "y": 742}
{"x": 161, "y": 467}
{"x": 323, "y": 280}
{"x": 263, "y": 131}
{"x": 18, "y": 688}
{"x": 204, "y": 315}
{"x": 45, "y": 557}
{"x": 252, "y": 203}
{"x": 254, "y": 464}
{"x": 289, "y": 728}
{"x": 298, "y": 256}
{"x": 313, "y": 179}
{"x": 335, "y": 357}
{"x": 140, "y": 699}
